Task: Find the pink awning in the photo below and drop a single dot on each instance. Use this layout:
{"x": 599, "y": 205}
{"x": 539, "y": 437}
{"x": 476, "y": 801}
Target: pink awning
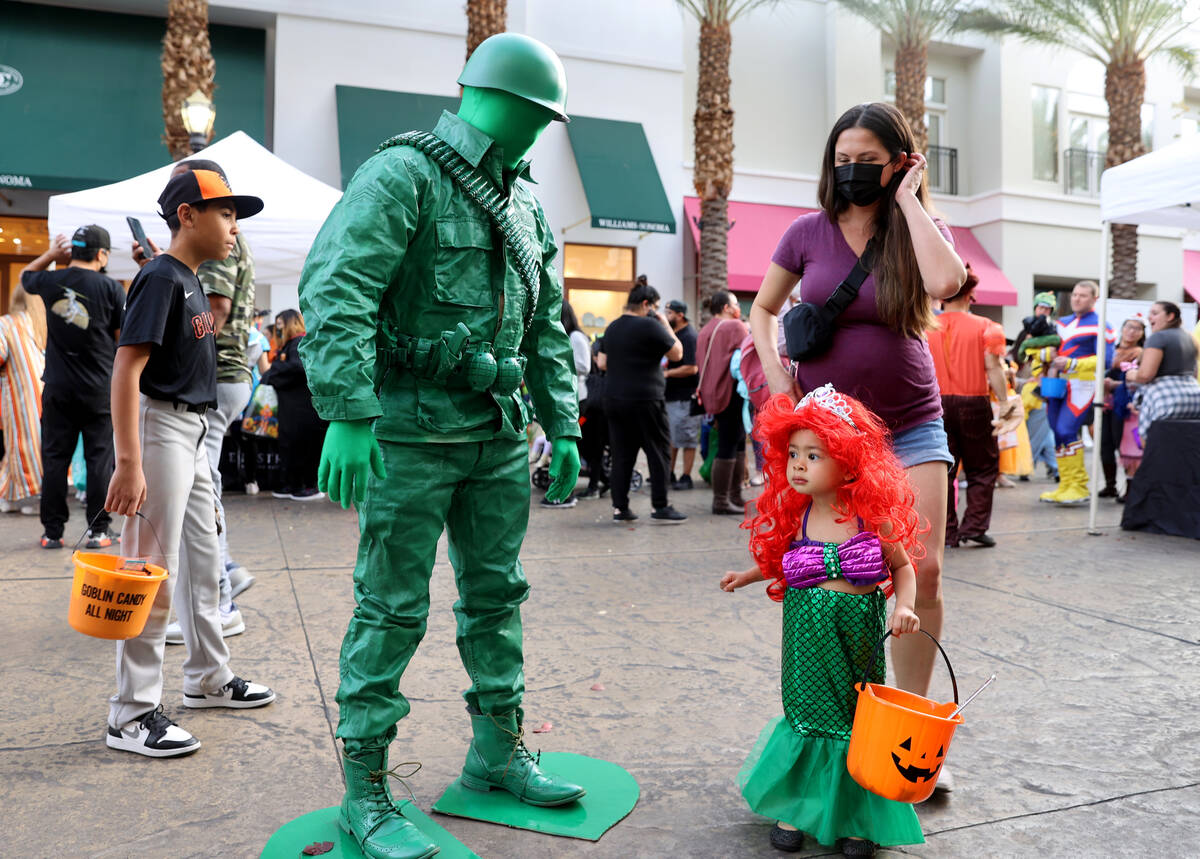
{"x": 994, "y": 288}
{"x": 757, "y": 228}
{"x": 1191, "y": 273}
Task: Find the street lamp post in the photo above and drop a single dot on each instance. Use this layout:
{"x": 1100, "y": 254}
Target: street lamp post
{"x": 198, "y": 116}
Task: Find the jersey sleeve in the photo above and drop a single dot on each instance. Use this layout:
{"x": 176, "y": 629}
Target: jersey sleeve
{"x": 147, "y": 311}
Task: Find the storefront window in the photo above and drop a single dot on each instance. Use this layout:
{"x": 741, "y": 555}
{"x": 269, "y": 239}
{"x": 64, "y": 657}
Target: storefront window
{"x": 597, "y": 280}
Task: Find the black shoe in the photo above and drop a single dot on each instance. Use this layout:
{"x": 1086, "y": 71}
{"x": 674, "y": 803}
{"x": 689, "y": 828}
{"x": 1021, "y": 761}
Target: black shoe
{"x": 981, "y": 539}
{"x": 51, "y": 542}
{"x": 1107, "y": 492}
{"x": 153, "y": 735}
{"x": 683, "y": 484}
{"x": 589, "y": 494}
{"x": 787, "y": 840}
{"x": 1024, "y": 478}
{"x": 1121, "y": 498}
{"x": 667, "y": 516}
{"x": 623, "y": 514}
{"x": 858, "y": 847}
{"x": 570, "y": 501}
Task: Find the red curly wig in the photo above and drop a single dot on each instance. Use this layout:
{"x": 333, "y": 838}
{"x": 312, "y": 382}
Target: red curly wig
{"x": 879, "y": 494}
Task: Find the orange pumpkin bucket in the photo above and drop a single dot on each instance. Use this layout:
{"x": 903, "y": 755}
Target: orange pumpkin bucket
{"x": 900, "y": 740}
{"x": 111, "y": 596}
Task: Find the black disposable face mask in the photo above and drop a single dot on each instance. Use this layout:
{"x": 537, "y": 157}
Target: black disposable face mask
{"x": 859, "y": 183}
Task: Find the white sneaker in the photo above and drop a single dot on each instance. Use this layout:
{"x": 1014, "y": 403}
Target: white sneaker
{"x": 239, "y": 579}
{"x": 231, "y": 624}
{"x": 251, "y": 488}
{"x": 7, "y": 506}
{"x": 153, "y": 735}
{"x": 29, "y": 510}
{"x": 237, "y": 694}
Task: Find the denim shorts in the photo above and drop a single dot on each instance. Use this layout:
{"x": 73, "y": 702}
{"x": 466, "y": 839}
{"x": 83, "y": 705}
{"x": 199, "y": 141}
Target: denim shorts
{"x": 923, "y": 443}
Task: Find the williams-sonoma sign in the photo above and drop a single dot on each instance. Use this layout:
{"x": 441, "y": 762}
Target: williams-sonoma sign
{"x": 13, "y": 180}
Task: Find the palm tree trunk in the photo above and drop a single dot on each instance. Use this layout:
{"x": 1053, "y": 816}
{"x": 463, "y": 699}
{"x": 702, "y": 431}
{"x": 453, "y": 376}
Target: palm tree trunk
{"x": 713, "y": 144}
{"x": 485, "y": 18}
{"x": 187, "y": 66}
{"x": 1124, "y": 90}
{"x": 912, "y": 61}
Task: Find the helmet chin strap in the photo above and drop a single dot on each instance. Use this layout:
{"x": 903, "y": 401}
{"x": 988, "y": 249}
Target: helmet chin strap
{"x": 513, "y": 122}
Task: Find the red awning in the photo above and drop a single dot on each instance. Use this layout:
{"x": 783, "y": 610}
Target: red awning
{"x": 994, "y": 288}
{"x": 1191, "y": 273}
{"x": 757, "y": 228}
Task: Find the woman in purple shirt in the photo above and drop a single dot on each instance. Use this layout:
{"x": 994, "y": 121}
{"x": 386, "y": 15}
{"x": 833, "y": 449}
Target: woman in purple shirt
{"x": 872, "y": 185}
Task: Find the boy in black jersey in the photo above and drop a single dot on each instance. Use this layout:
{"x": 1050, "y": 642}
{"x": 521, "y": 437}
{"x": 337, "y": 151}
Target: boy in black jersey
{"x": 164, "y": 381}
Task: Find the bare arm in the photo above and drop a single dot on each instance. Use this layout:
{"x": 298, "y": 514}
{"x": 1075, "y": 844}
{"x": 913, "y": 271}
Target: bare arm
{"x": 221, "y": 307}
{"x": 676, "y": 350}
{"x": 995, "y": 377}
{"x": 264, "y": 363}
{"x": 942, "y": 271}
{"x": 682, "y": 371}
{"x": 127, "y": 489}
{"x": 734, "y": 579}
{"x": 1147, "y": 367}
{"x": 601, "y": 360}
{"x": 777, "y": 285}
{"x": 904, "y": 580}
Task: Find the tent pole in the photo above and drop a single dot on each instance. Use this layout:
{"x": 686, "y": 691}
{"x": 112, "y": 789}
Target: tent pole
{"x": 1101, "y": 370}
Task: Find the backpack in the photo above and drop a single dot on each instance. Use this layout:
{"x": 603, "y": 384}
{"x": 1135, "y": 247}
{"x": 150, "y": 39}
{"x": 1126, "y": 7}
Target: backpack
{"x": 752, "y": 373}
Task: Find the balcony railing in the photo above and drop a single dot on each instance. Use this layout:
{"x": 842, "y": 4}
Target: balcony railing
{"x": 1081, "y": 171}
{"x": 943, "y": 169}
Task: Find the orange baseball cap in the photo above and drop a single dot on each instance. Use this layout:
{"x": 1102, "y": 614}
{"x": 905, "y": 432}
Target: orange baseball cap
{"x": 197, "y": 186}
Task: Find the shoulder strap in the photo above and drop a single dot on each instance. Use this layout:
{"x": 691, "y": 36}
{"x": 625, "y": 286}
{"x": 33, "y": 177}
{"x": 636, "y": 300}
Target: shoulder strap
{"x": 847, "y": 290}
{"x": 708, "y": 353}
{"x": 484, "y": 194}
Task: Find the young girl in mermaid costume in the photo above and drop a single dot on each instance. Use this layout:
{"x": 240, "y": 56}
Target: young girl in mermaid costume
{"x": 835, "y": 522}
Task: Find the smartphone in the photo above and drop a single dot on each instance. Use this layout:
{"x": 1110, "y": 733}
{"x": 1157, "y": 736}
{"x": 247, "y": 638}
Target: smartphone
{"x": 139, "y": 235}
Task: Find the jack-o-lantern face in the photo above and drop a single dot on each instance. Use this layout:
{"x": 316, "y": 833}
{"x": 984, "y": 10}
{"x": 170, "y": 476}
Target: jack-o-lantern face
{"x": 917, "y": 768}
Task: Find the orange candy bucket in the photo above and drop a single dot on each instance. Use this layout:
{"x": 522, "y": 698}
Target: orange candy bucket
{"x": 900, "y": 740}
{"x": 111, "y": 596}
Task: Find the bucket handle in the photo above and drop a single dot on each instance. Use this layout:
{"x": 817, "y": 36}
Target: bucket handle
{"x": 138, "y": 514}
{"x": 875, "y": 653}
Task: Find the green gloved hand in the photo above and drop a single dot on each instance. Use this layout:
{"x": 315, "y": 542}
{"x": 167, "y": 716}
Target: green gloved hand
{"x": 350, "y": 449}
{"x": 564, "y": 468}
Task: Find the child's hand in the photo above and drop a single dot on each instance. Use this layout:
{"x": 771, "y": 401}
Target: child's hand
{"x": 734, "y": 579}
{"x": 905, "y": 620}
{"x": 126, "y": 490}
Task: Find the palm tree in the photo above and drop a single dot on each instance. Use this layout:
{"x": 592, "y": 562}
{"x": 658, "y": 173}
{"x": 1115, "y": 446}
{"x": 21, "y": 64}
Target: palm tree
{"x": 484, "y": 18}
{"x": 713, "y": 136}
{"x": 911, "y": 24}
{"x": 1122, "y": 35}
{"x": 187, "y": 66}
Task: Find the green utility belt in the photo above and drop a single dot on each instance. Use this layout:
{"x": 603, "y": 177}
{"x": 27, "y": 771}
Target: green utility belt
{"x": 455, "y": 360}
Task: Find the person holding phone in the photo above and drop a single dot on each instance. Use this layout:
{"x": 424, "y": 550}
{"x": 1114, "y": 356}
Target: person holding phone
{"x": 83, "y": 320}
{"x": 872, "y": 186}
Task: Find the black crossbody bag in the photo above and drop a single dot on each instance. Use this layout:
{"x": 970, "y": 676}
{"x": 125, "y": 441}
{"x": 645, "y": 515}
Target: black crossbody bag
{"x": 808, "y": 328}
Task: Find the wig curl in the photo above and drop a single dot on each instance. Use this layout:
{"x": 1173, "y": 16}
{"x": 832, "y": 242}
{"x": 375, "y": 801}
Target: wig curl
{"x": 879, "y": 492}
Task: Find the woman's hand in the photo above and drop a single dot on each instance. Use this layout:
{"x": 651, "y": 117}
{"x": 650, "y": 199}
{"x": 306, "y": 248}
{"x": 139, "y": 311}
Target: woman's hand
{"x": 915, "y": 165}
{"x": 734, "y": 579}
{"x": 780, "y": 381}
{"x": 904, "y": 620}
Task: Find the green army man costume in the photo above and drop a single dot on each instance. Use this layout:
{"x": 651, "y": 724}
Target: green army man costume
{"x": 424, "y": 312}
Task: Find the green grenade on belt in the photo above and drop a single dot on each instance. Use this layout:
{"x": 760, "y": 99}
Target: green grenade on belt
{"x": 508, "y": 375}
{"x": 481, "y": 371}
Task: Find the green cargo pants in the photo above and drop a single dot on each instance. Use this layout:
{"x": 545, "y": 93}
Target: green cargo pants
{"x": 479, "y": 491}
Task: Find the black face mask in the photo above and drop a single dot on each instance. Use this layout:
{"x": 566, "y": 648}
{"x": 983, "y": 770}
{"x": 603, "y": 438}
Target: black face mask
{"x": 859, "y": 183}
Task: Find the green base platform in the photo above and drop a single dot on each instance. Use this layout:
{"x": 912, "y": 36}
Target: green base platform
{"x": 611, "y": 795}
{"x": 289, "y": 840}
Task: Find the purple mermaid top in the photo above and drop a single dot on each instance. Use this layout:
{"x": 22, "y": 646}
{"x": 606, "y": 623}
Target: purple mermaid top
{"x": 859, "y": 560}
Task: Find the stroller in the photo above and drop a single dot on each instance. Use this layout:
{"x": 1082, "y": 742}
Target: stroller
{"x": 541, "y": 475}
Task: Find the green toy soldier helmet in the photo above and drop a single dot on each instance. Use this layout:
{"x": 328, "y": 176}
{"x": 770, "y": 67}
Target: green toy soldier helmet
{"x": 522, "y": 66}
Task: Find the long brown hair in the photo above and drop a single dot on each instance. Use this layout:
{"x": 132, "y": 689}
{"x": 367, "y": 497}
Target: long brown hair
{"x": 291, "y": 324}
{"x": 900, "y": 295}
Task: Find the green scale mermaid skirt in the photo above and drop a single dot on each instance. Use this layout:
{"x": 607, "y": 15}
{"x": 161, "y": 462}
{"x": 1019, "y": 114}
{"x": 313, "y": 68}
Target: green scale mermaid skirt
{"x": 797, "y": 771}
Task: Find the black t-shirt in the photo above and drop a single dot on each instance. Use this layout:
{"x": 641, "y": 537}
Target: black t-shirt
{"x": 634, "y": 346}
{"x": 682, "y": 389}
{"x": 83, "y": 313}
{"x": 168, "y": 308}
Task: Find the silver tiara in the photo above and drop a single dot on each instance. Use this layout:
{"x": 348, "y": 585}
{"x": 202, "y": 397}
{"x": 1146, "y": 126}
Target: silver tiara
{"x": 830, "y": 400}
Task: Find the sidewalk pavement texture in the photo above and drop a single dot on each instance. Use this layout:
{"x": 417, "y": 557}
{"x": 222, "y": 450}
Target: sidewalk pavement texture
{"x": 1086, "y": 745}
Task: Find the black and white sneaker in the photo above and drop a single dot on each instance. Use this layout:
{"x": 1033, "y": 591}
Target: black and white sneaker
{"x": 568, "y": 502}
{"x": 237, "y": 694}
{"x": 667, "y": 516}
{"x": 153, "y": 735}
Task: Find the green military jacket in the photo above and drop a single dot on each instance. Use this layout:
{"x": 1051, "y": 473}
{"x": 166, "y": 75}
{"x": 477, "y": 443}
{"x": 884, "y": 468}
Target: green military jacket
{"x": 232, "y": 278}
{"x": 405, "y": 251}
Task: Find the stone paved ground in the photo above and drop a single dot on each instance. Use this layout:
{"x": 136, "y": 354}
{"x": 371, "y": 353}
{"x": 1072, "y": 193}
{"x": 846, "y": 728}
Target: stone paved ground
{"x": 1087, "y": 744}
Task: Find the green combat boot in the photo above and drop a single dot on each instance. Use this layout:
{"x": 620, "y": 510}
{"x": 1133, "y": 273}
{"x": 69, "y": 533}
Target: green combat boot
{"x": 372, "y": 817}
{"x": 498, "y": 758}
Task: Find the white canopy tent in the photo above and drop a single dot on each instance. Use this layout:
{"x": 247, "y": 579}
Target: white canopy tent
{"x": 1162, "y": 188}
{"x": 279, "y": 236}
